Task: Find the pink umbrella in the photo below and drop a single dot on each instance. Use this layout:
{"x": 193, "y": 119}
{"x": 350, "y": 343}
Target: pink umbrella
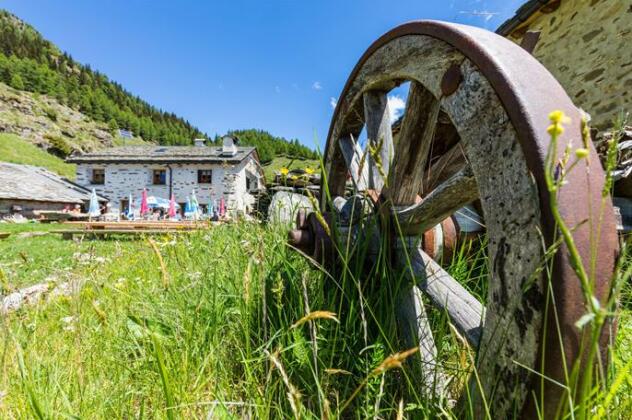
{"x": 222, "y": 207}
{"x": 172, "y": 207}
{"x": 144, "y": 207}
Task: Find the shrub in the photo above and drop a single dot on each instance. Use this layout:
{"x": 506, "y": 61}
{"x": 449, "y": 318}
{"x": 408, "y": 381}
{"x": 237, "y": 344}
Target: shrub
{"x": 51, "y": 113}
{"x": 59, "y": 146}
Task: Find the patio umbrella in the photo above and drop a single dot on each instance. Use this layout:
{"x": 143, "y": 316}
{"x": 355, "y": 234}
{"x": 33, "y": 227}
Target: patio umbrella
{"x": 130, "y": 207}
{"x": 144, "y": 207}
{"x": 222, "y": 207}
{"x": 154, "y": 202}
{"x": 209, "y": 209}
{"x": 172, "y": 207}
{"x": 195, "y": 206}
{"x": 94, "y": 210}
{"x": 187, "y": 208}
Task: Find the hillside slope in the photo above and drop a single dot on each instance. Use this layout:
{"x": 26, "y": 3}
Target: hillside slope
{"x": 30, "y": 62}
{"x": 16, "y": 150}
{"x": 45, "y": 122}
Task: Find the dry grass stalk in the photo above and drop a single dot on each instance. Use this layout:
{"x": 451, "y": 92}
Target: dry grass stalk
{"x": 293, "y": 395}
{"x": 163, "y": 267}
{"x": 315, "y": 315}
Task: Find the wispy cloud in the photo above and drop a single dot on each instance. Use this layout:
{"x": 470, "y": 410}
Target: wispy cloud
{"x": 317, "y": 86}
{"x": 277, "y": 89}
{"x": 333, "y": 102}
{"x": 396, "y": 106}
{"x": 485, "y": 14}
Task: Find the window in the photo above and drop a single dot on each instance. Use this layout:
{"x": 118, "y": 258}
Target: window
{"x": 98, "y": 176}
{"x": 160, "y": 177}
{"x": 248, "y": 183}
{"x": 205, "y": 176}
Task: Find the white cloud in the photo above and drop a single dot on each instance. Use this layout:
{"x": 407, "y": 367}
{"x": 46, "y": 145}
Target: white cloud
{"x": 485, "y": 14}
{"x": 317, "y": 86}
{"x": 396, "y": 106}
{"x": 333, "y": 102}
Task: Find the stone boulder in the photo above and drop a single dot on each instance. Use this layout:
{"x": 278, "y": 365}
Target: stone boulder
{"x": 284, "y": 206}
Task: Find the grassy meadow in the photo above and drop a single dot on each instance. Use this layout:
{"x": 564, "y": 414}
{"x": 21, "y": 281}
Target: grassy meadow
{"x": 219, "y": 332}
{"x": 290, "y": 163}
{"x": 14, "y": 149}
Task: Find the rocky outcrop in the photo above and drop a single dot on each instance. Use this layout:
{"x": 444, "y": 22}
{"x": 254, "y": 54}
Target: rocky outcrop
{"x": 47, "y": 123}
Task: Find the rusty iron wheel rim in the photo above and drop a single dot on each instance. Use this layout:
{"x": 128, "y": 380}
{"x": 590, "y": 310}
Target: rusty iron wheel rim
{"x": 528, "y": 93}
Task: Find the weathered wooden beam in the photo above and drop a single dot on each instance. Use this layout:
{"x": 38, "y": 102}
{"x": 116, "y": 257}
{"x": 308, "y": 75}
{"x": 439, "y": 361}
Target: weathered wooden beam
{"x": 444, "y": 167}
{"x": 380, "y": 137}
{"x": 413, "y": 146}
{"x": 454, "y": 193}
{"x": 358, "y": 167}
{"x": 415, "y": 329}
{"x": 465, "y": 311}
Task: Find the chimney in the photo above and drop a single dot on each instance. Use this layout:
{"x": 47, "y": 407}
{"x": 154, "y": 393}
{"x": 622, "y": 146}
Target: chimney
{"x": 199, "y": 142}
{"x": 229, "y": 147}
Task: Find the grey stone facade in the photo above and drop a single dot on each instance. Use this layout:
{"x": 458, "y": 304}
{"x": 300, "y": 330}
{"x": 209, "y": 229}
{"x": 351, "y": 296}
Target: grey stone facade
{"x": 233, "y": 177}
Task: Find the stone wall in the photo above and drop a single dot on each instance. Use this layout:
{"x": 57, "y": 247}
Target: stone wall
{"x": 121, "y": 179}
{"x": 29, "y": 206}
{"x": 587, "y": 46}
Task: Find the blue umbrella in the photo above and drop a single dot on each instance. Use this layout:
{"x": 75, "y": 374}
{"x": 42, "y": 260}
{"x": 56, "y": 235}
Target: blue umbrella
{"x": 187, "y": 207}
{"x": 94, "y": 210}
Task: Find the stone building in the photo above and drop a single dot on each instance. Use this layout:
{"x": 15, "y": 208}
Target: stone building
{"x": 29, "y": 189}
{"x": 213, "y": 172}
{"x": 586, "y": 45}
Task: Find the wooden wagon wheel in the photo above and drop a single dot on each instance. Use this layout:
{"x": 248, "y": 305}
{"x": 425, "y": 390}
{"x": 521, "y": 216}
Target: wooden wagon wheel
{"x": 483, "y": 101}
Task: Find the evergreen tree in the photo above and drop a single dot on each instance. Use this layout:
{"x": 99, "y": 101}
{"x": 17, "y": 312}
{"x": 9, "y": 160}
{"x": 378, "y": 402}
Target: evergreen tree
{"x": 113, "y": 126}
{"x": 16, "y": 82}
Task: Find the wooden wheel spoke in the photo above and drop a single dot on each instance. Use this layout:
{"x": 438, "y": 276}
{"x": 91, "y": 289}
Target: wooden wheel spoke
{"x": 415, "y": 328}
{"x": 444, "y": 167}
{"x": 356, "y": 162}
{"x": 465, "y": 311}
{"x": 457, "y": 191}
{"x": 413, "y": 146}
{"x": 380, "y": 137}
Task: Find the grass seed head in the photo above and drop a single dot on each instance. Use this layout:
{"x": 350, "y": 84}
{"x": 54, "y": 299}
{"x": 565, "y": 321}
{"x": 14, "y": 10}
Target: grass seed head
{"x": 315, "y": 315}
{"x": 394, "y": 361}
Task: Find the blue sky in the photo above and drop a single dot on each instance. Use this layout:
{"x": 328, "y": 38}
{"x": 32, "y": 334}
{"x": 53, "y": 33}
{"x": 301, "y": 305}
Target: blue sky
{"x": 275, "y": 65}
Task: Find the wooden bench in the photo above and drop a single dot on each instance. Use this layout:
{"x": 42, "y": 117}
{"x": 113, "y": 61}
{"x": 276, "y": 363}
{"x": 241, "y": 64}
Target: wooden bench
{"x": 131, "y": 225}
{"x": 100, "y": 233}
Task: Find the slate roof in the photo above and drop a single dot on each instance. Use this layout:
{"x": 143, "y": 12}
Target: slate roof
{"x": 523, "y": 13}
{"x": 162, "y": 154}
{"x": 25, "y": 182}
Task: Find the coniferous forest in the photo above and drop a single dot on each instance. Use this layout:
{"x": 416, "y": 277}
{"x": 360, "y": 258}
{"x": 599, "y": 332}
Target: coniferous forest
{"x": 31, "y": 63}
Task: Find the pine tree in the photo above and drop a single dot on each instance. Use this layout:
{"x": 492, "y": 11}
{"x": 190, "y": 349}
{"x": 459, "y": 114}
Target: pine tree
{"x": 17, "y": 82}
{"x": 113, "y": 126}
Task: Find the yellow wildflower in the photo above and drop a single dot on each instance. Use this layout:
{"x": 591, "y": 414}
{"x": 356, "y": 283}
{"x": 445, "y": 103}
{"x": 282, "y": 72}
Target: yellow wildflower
{"x": 581, "y": 153}
{"x": 284, "y": 171}
{"x": 309, "y": 171}
{"x": 558, "y": 117}
{"x": 555, "y": 129}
